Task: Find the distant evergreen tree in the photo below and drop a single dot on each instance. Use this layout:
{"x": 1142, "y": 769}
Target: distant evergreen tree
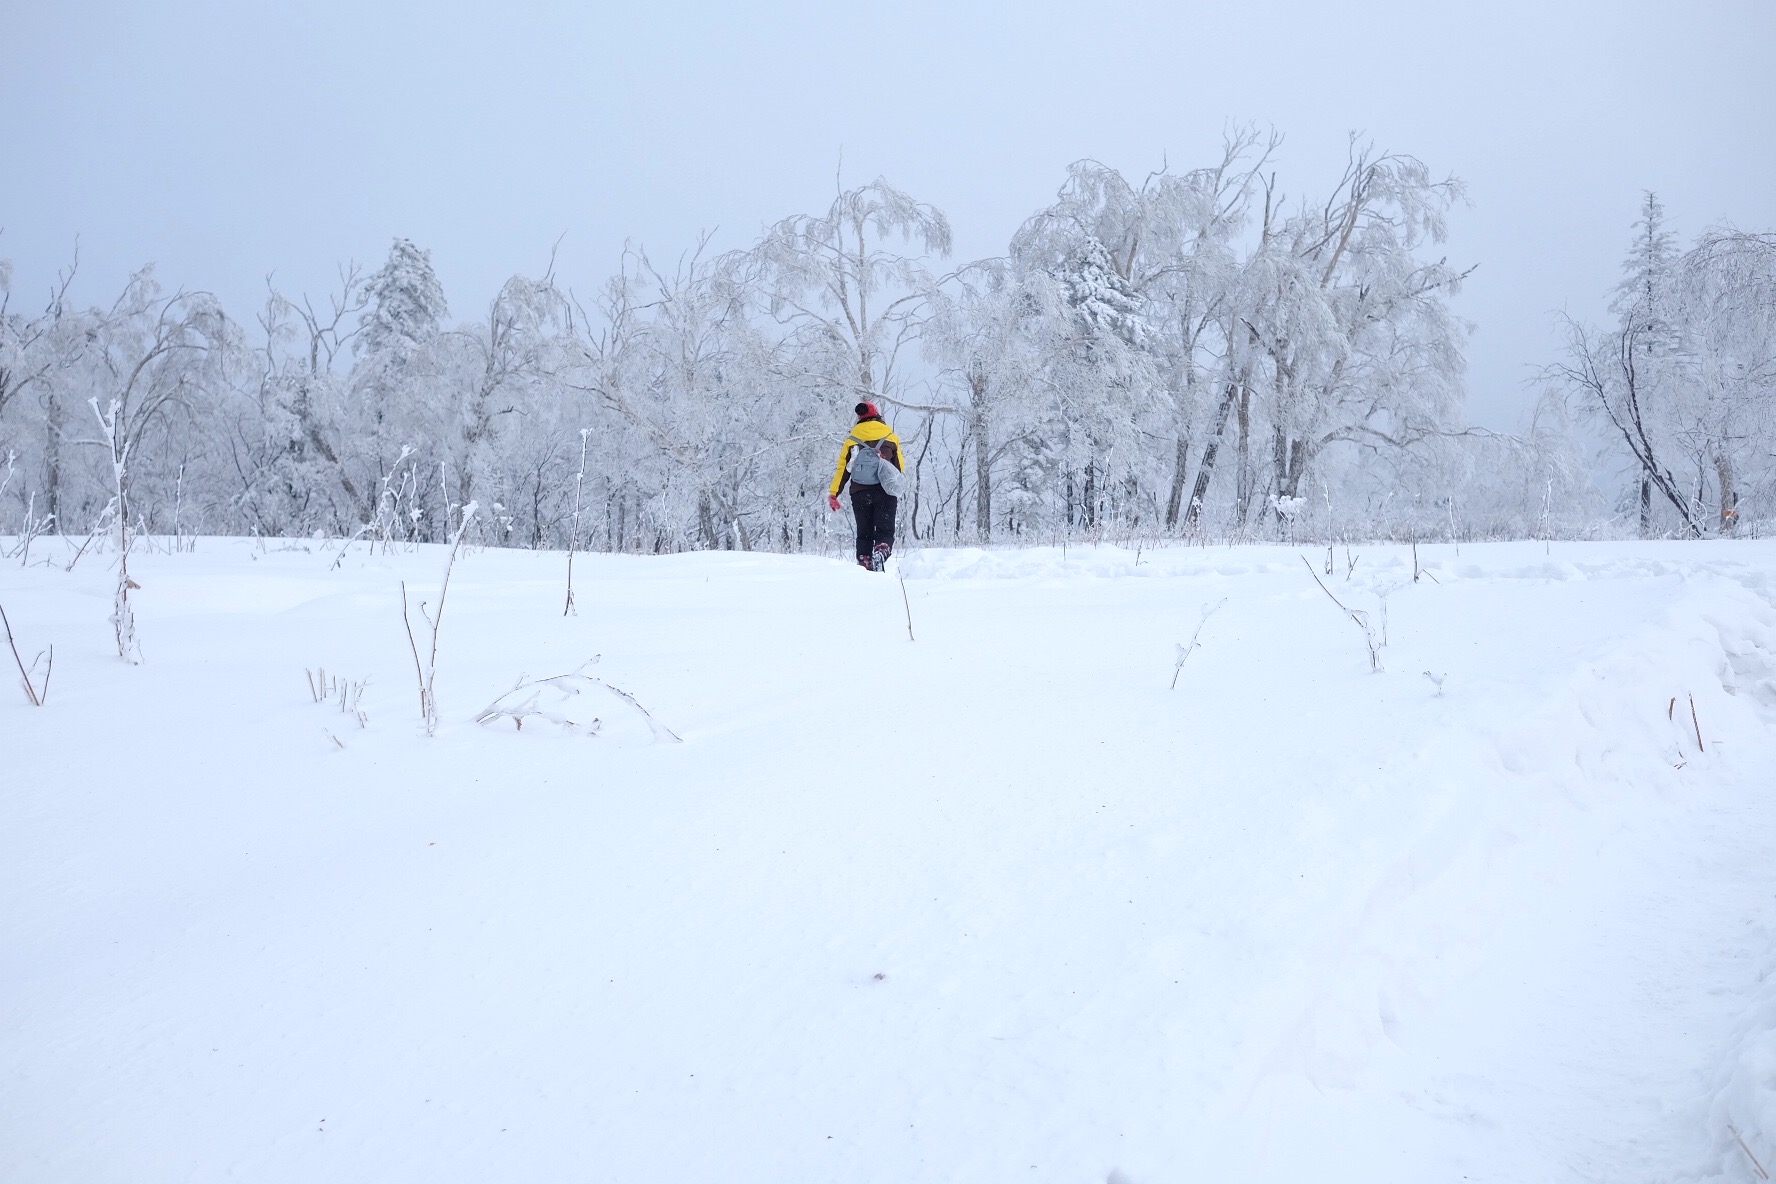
{"x": 1643, "y": 297}
{"x": 1643, "y": 301}
{"x": 1107, "y": 304}
{"x": 406, "y": 304}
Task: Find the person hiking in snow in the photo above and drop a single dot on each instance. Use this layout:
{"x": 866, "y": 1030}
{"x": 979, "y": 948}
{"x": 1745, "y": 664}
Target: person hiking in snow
{"x": 870, "y": 459}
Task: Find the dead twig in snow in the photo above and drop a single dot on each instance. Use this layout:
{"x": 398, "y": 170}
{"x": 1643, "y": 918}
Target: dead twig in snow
{"x": 909, "y": 607}
{"x": 325, "y": 688}
{"x": 37, "y": 697}
{"x": 1697, "y": 724}
{"x": 1739, "y": 1139}
{"x": 565, "y": 707}
{"x": 1184, "y": 651}
{"x": 1357, "y": 617}
{"x": 659, "y": 729}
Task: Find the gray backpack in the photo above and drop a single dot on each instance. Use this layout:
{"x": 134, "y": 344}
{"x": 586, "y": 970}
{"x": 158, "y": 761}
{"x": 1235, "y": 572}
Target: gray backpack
{"x": 869, "y": 467}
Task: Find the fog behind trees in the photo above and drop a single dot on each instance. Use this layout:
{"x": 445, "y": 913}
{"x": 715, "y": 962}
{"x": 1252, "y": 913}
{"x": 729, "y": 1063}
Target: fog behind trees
{"x": 1227, "y": 351}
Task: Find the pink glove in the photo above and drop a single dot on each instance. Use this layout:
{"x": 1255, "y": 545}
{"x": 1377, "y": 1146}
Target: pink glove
{"x": 832, "y": 501}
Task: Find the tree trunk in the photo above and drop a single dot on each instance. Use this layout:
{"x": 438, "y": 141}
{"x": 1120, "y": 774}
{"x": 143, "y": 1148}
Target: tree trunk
{"x": 1206, "y": 470}
{"x": 706, "y": 522}
{"x": 1279, "y": 459}
{"x": 983, "y": 469}
{"x": 961, "y": 478}
{"x": 52, "y": 458}
{"x": 1298, "y": 457}
{"x": 1729, "y": 492}
{"x": 1175, "y": 496}
{"x": 1243, "y": 477}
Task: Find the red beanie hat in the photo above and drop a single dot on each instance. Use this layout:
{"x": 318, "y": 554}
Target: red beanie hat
{"x": 865, "y": 410}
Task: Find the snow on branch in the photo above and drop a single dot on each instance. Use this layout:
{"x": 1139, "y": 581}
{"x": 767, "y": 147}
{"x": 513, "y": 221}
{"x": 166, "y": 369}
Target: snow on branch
{"x": 570, "y": 702}
{"x": 1371, "y": 639}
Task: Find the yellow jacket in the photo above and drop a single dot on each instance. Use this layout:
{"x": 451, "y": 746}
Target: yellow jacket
{"x": 870, "y": 431}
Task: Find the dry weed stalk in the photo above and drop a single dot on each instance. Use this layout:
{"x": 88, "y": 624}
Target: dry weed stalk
{"x": 33, "y": 525}
{"x": 428, "y": 672}
{"x": 32, "y": 692}
{"x": 1184, "y": 651}
{"x": 1418, "y": 570}
{"x": 525, "y": 701}
{"x": 348, "y": 693}
{"x": 1740, "y": 1139}
{"x": 1357, "y": 617}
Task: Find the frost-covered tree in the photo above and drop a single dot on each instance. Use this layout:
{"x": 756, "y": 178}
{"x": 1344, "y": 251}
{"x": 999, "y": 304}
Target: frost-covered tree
{"x": 288, "y": 434}
{"x": 843, "y": 285}
{"x": 40, "y": 380}
{"x": 1359, "y": 346}
{"x": 1726, "y": 405}
{"x": 1181, "y": 352}
{"x": 1684, "y": 383}
{"x": 491, "y": 373}
{"x": 1643, "y": 302}
{"x": 396, "y": 376}
{"x": 157, "y": 370}
{"x": 993, "y": 331}
{"x": 406, "y": 305}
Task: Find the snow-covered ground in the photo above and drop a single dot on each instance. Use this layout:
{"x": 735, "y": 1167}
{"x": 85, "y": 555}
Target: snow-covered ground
{"x": 991, "y": 905}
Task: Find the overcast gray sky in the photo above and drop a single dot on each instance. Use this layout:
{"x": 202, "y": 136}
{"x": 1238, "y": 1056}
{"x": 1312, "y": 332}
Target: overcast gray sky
{"x": 230, "y": 139}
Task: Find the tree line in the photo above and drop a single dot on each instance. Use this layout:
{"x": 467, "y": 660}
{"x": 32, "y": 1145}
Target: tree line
{"x": 1198, "y": 354}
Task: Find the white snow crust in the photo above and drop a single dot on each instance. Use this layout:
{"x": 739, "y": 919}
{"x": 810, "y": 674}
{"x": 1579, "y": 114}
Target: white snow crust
{"x": 990, "y": 905}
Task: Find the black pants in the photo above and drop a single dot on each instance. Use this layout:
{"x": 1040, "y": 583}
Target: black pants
{"x": 874, "y": 508}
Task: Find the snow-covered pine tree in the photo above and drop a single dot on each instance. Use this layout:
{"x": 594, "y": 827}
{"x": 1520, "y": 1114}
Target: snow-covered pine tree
{"x": 405, "y": 314}
{"x": 407, "y": 304}
{"x": 1643, "y": 304}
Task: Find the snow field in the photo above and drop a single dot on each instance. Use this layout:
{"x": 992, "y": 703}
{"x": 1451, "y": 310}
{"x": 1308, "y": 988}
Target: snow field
{"x": 990, "y": 905}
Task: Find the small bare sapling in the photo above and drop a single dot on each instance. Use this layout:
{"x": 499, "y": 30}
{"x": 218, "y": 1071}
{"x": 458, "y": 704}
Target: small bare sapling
{"x": 346, "y": 692}
{"x": 1184, "y": 651}
{"x": 123, "y": 617}
{"x": 905, "y": 603}
{"x": 1372, "y": 640}
{"x": 37, "y": 695}
{"x": 570, "y": 702}
{"x": 33, "y": 526}
{"x": 573, "y": 543}
{"x": 427, "y": 672}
